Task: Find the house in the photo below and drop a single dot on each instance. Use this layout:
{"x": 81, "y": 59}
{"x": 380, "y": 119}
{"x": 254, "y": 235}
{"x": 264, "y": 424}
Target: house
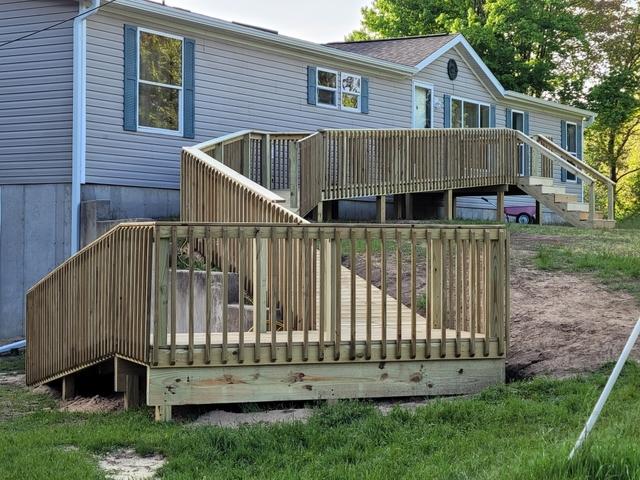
{"x": 78, "y": 124}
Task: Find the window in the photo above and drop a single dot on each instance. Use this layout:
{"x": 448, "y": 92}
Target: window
{"x": 350, "y": 91}
{"x": 466, "y": 114}
{"x": 327, "y": 87}
{"x": 160, "y": 78}
{"x": 572, "y": 146}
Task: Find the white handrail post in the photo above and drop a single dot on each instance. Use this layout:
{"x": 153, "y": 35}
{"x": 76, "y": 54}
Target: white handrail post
{"x": 607, "y": 389}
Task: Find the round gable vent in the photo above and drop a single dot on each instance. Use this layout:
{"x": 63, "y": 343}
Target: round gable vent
{"x": 452, "y": 69}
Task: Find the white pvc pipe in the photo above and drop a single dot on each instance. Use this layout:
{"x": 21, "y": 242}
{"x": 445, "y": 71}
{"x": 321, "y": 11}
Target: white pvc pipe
{"x": 13, "y": 346}
{"x": 607, "y": 389}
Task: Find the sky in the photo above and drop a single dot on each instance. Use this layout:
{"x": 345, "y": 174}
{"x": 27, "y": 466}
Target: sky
{"x": 321, "y": 22}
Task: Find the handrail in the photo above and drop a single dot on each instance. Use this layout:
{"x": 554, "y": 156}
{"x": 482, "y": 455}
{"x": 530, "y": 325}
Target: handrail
{"x": 607, "y": 182}
{"x": 92, "y": 306}
{"x": 574, "y": 160}
{"x": 527, "y": 140}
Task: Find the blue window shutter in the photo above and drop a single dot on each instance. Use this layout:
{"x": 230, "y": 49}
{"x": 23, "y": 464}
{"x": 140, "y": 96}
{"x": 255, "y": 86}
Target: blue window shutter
{"x": 563, "y": 144}
{"x": 188, "y": 88}
{"x": 527, "y": 150}
{"x": 526, "y": 123}
{"x": 130, "y": 114}
{"x": 364, "y": 95}
{"x": 447, "y": 111}
{"x": 507, "y": 118}
{"x": 311, "y": 85}
{"x": 492, "y": 116}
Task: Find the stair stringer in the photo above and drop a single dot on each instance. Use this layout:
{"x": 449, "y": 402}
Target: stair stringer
{"x": 548, "y": 201}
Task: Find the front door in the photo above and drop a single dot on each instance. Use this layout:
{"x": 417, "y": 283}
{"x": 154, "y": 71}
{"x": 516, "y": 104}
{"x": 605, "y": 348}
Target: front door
{"x": 422, "y": 106}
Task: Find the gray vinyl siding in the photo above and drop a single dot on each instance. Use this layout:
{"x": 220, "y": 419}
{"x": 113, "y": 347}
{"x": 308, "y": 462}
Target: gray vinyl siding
{"x": 238, "y": 86}
{"x": 36, "y": 87}
{"x": 34, "y": 239}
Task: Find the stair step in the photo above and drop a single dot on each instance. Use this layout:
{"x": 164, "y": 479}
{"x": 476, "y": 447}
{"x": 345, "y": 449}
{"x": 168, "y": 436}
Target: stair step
{"x": 577, "y": 207}
{"x": 536, "y": 181}
{"x": 596, "y": 216}
{"x": 604, "y": 224}
{"x": 553, "y": 190}
{"x": 565, "y": 198}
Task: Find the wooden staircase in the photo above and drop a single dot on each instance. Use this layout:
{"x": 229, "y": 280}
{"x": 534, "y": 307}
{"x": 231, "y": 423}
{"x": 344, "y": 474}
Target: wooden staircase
{"x": 568, "y": 206}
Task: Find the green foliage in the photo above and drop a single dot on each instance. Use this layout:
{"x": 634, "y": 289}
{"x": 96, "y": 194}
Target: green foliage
{"x": 522, "y": 430}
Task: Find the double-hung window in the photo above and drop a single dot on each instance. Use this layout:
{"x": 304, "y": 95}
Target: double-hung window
{"x": 467, "y": 114}
{"x": 160, "y": 79}
{"x": 327, "y": 88}
{"x": 159, "y": 82}
{"x": 350, "y": 96}
{"x": 339, "y": 90}
{"x": 572, "y": 146}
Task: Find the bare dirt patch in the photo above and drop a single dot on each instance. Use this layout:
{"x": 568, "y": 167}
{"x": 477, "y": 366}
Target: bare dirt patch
{"x": 95, "y": 404}
{"x": 222, "y": 418}
{"x": 128, "y": 465}
{"x": 563, "y": 324}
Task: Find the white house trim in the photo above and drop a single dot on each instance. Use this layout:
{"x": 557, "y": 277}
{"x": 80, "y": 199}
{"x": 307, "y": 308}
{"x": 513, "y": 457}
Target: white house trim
{"x": 418, "y": 83}
{"x": 162, "y": 131}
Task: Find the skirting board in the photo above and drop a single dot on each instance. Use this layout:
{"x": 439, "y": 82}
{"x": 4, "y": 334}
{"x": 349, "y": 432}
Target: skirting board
{"x": 314, "y": 381}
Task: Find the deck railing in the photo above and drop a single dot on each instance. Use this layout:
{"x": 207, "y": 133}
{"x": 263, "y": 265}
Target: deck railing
{"x": 353, "y": 163}
{"x": 455, "y": 303}
{"x": 94, "y": 305}
{"x": 260, "y": 156}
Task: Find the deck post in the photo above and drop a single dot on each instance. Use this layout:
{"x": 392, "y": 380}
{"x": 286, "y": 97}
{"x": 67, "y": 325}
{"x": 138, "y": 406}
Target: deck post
{"x": 132, "y": 392}
{"x": 448, "y": 205}
{"x": 500, "y": 206}
{"x": 381, "y": 209}
{"x": 592, "y": 202}
{"x": 163, "y": 413}
{"x": 246, "y": 156}
{"x": 329, "y": 275}
{"x": 538, "y": 213}
{"x": 260, "y": 270}
{"x": 293, "y": 175}
{"x": 611, "y": 202}
{"x": 265, "y": 158}
{"x": 320, "y": 212}
{"x": 68, "y": 387}
{"x": 398, "y": 206}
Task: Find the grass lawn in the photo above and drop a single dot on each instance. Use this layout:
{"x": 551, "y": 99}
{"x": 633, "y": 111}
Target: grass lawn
{"x": 523, "y": 430}
{"x": 613, "y": 256}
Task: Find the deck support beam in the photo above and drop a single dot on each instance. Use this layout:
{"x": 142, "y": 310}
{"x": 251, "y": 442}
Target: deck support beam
{"x": 399, "y": 206}
{"x": 381, "y": 209}
{"x": 538, "y": 213}
{"x": 132, "y": 398}
{"x": 163, "y": 413}
{"x": 68, "y": 387}
{"x": 500, "y": 206}
{"x": 449, "y": 205}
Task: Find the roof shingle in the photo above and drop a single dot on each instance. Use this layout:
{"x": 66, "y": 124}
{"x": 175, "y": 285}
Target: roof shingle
{"x": 409, "y": 51}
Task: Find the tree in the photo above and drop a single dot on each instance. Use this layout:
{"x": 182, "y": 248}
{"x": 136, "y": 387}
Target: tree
{"x": 521, "y": 42}
{"x": 616, "y": 100}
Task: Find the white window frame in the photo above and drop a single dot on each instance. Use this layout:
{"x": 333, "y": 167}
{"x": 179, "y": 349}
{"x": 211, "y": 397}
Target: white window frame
{"x": 146, "y": 129}
{"x": 337, "y": 90}
{"x": 468, "y": 100}
{"x": 521, "y": 146}
{"x": 575, "y": 154}
{"x": 429, "y": 86}
{"x": 350, "y": 109}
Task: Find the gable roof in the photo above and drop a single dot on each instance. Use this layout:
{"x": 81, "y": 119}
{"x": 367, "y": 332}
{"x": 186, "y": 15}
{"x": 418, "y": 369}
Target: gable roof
{"x": 409, "y": 51}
